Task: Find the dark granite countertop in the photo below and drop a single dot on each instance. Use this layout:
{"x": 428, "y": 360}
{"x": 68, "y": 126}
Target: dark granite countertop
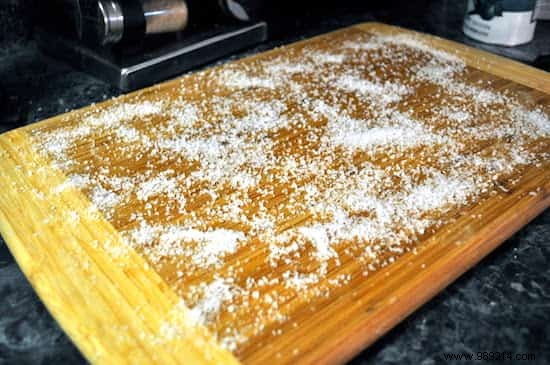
{"x": 501, "y": 305}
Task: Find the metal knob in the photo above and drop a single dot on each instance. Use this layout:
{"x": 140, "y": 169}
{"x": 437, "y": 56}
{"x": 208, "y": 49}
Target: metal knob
{"x": 244, "y": 10}
{"x": 110, "y": 22}
{"x": 134, "y": 19}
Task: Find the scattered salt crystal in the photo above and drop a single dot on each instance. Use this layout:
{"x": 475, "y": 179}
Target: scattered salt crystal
{"x": 416, "y": 43}
{"x": 398, "y": 131}
{"x": 278, "y": 68}
{"x": 457, "y": 115}
{"x": 215, "y": 294}
{"x": 213, "y": 245}
{"x": 119, "y": 113}
{"x": 143, "y": 235}
{"x": 184, "y": 114}
{"x": 77, "y": 181}
{"x": 301, "y": 282}
{"x": 56, "y": 146}
{"x": 394, "y": 136}
{"x": 156, "y": 186}
{"x": 104, "y": 199}
{"x": 320, "y": 240}
{"x": 262, "y": 116}
{"x": 535, "y": 121}
{"x": 441, "y": 74}
{"x": 325, "y": 57}
{"x": 371, "y": 44}
{"x": 387, "y": 92}
{"x": 243, "y": 180}
{"x": 240, "y": 80}
{"x": 127, "y": 134}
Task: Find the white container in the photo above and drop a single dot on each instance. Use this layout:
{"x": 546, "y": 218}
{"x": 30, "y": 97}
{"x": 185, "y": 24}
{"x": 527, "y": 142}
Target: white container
{"x": 490, "y": 21}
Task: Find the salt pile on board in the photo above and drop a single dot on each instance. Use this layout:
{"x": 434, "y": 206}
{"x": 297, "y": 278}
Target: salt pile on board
{"x": 386, "y": 92}
{"x": 158, "y": 185}
{"x": 254, "y": 184}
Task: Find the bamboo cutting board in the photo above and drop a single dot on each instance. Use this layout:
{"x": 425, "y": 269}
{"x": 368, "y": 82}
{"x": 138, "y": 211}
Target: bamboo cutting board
{"x": 289, "y": 207}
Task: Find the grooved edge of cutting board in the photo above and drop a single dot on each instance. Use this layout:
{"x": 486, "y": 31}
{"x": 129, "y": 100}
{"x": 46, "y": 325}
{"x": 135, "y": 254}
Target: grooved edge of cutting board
{"x": 114, "y": 307}
{"x": 484, "y": 61}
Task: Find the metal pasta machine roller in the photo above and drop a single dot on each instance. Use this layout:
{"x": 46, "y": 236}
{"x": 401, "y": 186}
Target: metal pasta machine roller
{"x": 135, "y": 43}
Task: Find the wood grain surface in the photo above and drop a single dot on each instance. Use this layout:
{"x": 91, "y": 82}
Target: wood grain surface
{"x": 123, "y": 302}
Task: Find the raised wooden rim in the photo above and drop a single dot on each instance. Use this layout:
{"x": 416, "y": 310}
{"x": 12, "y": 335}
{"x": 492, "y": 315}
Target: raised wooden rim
{"x": 112, "y": 304}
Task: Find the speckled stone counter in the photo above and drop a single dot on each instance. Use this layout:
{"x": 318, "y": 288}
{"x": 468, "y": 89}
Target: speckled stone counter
{"x": 503, "y": 304}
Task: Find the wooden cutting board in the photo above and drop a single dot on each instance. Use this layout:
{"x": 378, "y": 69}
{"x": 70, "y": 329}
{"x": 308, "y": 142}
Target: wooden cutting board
{"x": 288, "y": 207}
